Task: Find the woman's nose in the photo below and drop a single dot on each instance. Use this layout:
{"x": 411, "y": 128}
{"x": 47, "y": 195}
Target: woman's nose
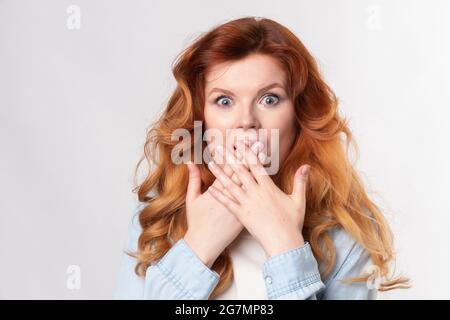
{"x": 248, "y": 119}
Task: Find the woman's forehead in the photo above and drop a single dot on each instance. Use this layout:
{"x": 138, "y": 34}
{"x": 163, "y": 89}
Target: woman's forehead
{"x": 249, "y": 74}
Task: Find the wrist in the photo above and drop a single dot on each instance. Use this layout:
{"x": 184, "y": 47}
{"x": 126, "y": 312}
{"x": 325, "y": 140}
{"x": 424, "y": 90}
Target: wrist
{"x": 280, "y": 244}
{"x": 200, "y": 250}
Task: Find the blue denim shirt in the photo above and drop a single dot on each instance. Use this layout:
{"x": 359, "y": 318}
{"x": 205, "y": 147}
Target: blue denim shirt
{"x": 293, "y": 275}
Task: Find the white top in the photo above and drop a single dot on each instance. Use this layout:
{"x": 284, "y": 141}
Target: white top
{"x": 247, "y": 257}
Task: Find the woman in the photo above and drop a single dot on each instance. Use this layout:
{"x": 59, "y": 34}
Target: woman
{"x": 229, "y": 229}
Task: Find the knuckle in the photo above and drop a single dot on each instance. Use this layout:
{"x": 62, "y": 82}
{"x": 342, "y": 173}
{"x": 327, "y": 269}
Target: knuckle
{"x": 235, "y": 178}
{"x": 228, "y": 171}
{"x": 226, "y": 183}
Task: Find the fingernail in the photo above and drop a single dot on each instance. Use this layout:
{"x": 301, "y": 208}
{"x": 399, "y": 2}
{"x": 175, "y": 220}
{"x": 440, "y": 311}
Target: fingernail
{"x": 255, "y": 148}
{"x": 262, "y": 157}
{"x": 305, "y": 170}
{"x": 219, "y": 149}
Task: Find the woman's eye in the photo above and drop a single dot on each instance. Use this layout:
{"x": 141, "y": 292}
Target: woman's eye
{"x": 223, "y": 101}
{"x": 271, "y": 99}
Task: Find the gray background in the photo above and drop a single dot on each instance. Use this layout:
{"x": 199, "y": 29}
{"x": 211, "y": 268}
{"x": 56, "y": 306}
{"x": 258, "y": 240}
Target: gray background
{"x": 75, "y": 106}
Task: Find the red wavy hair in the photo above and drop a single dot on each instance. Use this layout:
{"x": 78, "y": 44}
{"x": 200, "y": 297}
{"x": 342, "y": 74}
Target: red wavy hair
{"x": 335, "y": 194}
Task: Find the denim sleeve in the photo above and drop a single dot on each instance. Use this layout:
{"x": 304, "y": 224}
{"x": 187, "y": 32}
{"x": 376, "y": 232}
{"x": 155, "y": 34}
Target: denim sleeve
{"x": 292, "y": 275}
{"x": 352, "y": 261}
{"x": 295, "y": 275}
{"x": 179, "y": 274}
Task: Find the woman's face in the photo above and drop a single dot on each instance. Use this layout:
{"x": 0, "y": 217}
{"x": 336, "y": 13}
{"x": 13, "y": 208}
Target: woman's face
{"x": 248, "y": 95}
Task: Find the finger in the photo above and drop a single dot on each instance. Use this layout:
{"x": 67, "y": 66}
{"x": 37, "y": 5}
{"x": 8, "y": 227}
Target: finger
{"x": 238, "y": 155}
{"x": 219, "y": 159}
{"x": 226, "y": 201}
{"x": 219, "y": 186}
{"x": 194, "y": 183}
{"x": 255, "y": 166}
{"x": 234, "y": 177}
{"x": 256, "y": 148}
{"x": 300, "y": 182}
{"x": 241, "y": 171}
{"x": 262, "y": 158}
{"x": 235, "y": 190}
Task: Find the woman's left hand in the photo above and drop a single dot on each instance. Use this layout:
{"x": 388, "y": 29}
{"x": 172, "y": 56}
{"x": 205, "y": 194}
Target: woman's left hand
{"x": 273, "y": 217}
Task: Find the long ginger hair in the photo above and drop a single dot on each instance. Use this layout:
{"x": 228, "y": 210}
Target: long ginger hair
{"x": 335, "y": 194}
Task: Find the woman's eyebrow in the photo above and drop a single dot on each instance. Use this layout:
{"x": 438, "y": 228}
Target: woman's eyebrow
{"x": 228, "y": 92}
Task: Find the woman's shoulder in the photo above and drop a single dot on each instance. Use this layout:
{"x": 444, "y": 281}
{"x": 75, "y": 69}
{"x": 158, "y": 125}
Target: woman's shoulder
{"x": 348, "y": 252}
{"x": 347, "y": 247}
{"x": 343, "y": 241}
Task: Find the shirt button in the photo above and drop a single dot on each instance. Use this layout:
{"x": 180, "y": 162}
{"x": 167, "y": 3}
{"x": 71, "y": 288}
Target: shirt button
{"x": 269, "y": 279}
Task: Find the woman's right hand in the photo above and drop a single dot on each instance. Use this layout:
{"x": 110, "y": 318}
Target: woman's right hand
{"x": 211, "y": 227}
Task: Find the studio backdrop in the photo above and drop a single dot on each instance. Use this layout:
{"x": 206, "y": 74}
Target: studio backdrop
{"x": 82, "y": 80}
